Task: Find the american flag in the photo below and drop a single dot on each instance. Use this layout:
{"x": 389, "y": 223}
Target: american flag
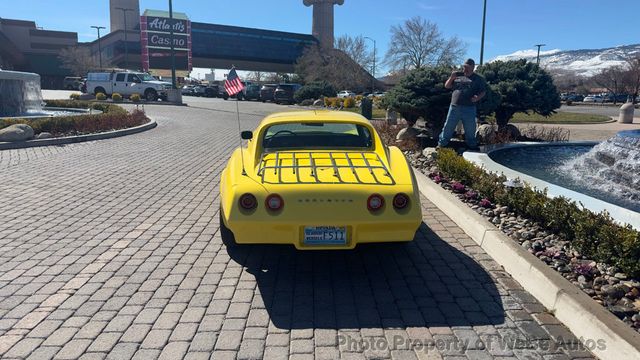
{"x": 233, "y": 84}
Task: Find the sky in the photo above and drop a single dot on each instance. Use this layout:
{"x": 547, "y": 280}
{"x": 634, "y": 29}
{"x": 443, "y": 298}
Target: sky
{"x": 512, "y": 25}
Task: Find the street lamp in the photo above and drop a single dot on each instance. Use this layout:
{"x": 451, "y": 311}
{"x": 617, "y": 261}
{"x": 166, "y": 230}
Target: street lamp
{"x": 538, "y": 57}
{"x": 99, "y": 46}
{"x": 173, "y": 53}
{"x": 484, "y": 18}
{"x": 373, "y": 81}
{"x": 126, "y": 47}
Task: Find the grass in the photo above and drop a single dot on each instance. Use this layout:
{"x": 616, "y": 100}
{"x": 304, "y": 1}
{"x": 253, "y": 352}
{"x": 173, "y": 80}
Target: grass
{"x": 560, "y": 118}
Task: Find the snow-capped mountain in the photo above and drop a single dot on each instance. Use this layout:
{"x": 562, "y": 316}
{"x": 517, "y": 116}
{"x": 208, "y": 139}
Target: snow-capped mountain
{"x": 585, "y": 62}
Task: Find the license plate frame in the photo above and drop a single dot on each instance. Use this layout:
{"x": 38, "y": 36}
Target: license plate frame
{"x": 324, "y": 235}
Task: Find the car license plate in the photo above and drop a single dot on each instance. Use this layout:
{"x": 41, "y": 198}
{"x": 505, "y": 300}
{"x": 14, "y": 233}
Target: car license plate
{"x": 325, "y": 235}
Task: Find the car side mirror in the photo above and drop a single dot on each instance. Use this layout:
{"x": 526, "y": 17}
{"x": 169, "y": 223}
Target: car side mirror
{"x": 246, "y": 135}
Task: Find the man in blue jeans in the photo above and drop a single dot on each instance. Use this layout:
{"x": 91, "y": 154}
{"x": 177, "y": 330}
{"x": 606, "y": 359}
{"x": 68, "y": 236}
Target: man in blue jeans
{"x": 468, "y": 88}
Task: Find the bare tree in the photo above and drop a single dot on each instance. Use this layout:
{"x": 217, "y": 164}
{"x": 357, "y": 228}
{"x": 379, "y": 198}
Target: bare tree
{"x": 356, "y": 48}
{"x": 256, "y": 76}
{"x": 632, "y": 77}
{"x": 333, "y": 66}
{"x": 78, "y": 60}
{"x": 612, "y": 79}
{"x": 419, "y": 42}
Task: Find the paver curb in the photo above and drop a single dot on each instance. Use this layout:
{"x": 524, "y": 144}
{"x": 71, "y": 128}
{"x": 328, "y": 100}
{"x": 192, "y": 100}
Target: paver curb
{"x": 585, "y": 318}
{"x": 80, "y": 138}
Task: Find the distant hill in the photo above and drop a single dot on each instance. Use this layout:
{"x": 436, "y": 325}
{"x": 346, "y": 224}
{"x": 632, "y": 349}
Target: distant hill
{"x": 586, "y": 62}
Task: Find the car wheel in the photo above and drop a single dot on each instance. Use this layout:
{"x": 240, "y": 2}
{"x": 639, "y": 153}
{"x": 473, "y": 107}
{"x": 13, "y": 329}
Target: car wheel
{"x": 151, "y": 95}
{"x": 225, "y": 96}
{"x": 99, "y": 90}
{"x": 240, "y": 97}
{"x": 227, "y": 235}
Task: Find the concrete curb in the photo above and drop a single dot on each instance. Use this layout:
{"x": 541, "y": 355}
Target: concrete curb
{"x": 76, "y": 139}
{"x": 582, "y": 315}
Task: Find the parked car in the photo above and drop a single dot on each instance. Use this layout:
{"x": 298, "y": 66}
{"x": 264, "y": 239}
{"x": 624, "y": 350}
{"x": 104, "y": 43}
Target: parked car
{"x": 252, "y": 92}
{"x": 376, "y": 94}
{"x": 240, "y": 96}
{"x": 615, "y": 98}
{"x": 575, "y": 97}
{"x": 187, "y": 90}
{"x": 362, "y": 191}
{"x": 127, "y": 83}
{"x": 345, "y": 94}
{"x": 72, "y": 83}
{"x": 593, "y": 99}
{"x": 284, "y": 93}
{"x": 266, "y": 92}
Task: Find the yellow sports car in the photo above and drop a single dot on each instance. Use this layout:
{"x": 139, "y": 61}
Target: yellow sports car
{"x": 318, "y": 180}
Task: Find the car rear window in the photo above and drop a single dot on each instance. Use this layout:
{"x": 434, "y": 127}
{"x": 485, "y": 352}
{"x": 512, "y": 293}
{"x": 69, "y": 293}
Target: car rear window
{"x": 319, "y": 134}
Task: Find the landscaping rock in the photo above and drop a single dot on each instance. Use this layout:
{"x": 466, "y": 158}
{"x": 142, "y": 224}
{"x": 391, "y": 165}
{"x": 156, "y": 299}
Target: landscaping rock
{"x": 486, "y": 133}
{"x": 318, "y": 102}
{"x": 511, "y": 130}
{"x": 407, "y": 133}
{"x": 613, "y": 291}
{"x": 17, "y": 132}
{"x": 44, "y": 135}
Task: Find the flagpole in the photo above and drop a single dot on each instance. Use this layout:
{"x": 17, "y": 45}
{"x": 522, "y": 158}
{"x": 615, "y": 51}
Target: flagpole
{"x": 239, "y": 133}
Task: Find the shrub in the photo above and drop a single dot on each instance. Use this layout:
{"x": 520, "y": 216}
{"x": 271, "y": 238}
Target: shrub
{"x": 327, "y": 101}
{"x": 595, "y": 236}
{"x": 101, "y": 97}
{"x": 74, "y": 96}
{"x": 349, "y": 102}
{"x": 314, "y": 90}
{"x": 359, "y": 98}
{"x": 135, "y": 98}
{"x": 116, "y": 97}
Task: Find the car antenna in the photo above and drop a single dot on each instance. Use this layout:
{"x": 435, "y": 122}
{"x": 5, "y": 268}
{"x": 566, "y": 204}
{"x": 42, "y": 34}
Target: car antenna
{"x": 232, "y": 86}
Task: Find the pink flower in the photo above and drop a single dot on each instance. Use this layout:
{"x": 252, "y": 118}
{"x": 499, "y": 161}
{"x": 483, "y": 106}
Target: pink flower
{"x": 485, "y": 203}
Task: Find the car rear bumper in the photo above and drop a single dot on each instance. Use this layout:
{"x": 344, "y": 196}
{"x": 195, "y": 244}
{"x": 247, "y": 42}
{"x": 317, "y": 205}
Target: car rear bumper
{"x": 252, "y": 232}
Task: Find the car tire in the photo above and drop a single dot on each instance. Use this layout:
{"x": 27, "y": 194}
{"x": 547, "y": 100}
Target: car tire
{"x": 240, "y": 97}
{"x": 226, "y": 234}
{"x": 150, "y": 95}
{"x": 225, "y": 96}
{"x": 99, "y": 89}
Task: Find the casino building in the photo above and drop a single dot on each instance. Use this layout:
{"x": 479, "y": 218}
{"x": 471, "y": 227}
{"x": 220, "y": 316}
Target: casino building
{"x": 131, "y": 43}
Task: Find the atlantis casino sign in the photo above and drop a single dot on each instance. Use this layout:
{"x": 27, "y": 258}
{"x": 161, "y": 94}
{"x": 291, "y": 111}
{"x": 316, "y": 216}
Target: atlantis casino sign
{"x": 156, "y": 39}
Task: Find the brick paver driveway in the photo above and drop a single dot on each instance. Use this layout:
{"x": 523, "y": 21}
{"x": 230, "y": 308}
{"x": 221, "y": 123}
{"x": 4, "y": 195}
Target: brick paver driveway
{"x": 112, "y": 249}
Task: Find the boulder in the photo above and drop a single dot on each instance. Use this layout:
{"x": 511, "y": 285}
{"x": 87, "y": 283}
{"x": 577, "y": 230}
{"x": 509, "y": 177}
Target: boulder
{"x": 511, "y": 130}
{"x": 319, "y": 102}
{"x": 44, "y": 135}
{"x": 17, "y": 132}
{"x": 407, "y": 133}
{"x": 486, "y": 133}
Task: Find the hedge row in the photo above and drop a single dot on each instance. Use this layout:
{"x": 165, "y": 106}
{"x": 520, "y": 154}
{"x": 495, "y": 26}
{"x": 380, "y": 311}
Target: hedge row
{"x": 595, "y": 236}
{"x": 112, "y": 118}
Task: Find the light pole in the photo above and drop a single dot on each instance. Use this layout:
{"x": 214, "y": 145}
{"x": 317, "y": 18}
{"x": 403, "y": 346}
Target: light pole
{"x": 484, "y": 20}
{"x": 173, "y": 52}
{"x": 373, "y": 81}
{"x": 538, "y": 57}
{"x": 126, "y": 47}
{"x": 99, "y": 46}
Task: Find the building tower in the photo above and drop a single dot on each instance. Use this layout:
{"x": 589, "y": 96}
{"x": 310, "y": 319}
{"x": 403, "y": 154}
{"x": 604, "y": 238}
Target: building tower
{"x": 323, "y": 20}
{"x": 117, "y": 14}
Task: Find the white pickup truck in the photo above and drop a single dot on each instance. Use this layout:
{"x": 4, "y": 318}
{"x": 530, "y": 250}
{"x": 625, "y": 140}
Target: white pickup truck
{"x": 127, "y": 83}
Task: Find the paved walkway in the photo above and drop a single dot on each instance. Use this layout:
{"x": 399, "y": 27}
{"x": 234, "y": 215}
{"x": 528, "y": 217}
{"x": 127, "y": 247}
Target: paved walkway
{"x": 111, "y": 249}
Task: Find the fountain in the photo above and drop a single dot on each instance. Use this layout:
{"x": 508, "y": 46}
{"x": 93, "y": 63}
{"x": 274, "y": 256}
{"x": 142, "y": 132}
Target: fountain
{"x": 600, "y": 176}
{"x": 20, "y": 97}
{"x": 19, "y": 93}
{"x": 612, "y": 166}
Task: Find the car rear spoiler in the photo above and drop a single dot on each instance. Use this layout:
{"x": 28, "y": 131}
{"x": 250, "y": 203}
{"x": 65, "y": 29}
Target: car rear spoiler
{"x": 306, "y": 167}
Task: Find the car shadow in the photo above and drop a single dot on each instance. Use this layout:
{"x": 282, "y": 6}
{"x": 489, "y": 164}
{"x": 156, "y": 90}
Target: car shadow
{"x": 423, "y": 283}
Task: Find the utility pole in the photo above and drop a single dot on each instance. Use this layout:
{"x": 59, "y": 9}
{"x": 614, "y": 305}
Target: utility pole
{"x": 99, "y": 46}
{"x": 484, "y": 20}
{"x": 538, "y": 57}
{"x": 173, "y": 52}
{"x": 373, "y": 81}
{"x": 126, "y": 47}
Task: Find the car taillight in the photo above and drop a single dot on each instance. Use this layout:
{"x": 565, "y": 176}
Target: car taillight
{"x": 274, "y": 202}
{"x": 248, "y": 201}
{"x": 400, "y": 201}
{"x": 375, "y": 202}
